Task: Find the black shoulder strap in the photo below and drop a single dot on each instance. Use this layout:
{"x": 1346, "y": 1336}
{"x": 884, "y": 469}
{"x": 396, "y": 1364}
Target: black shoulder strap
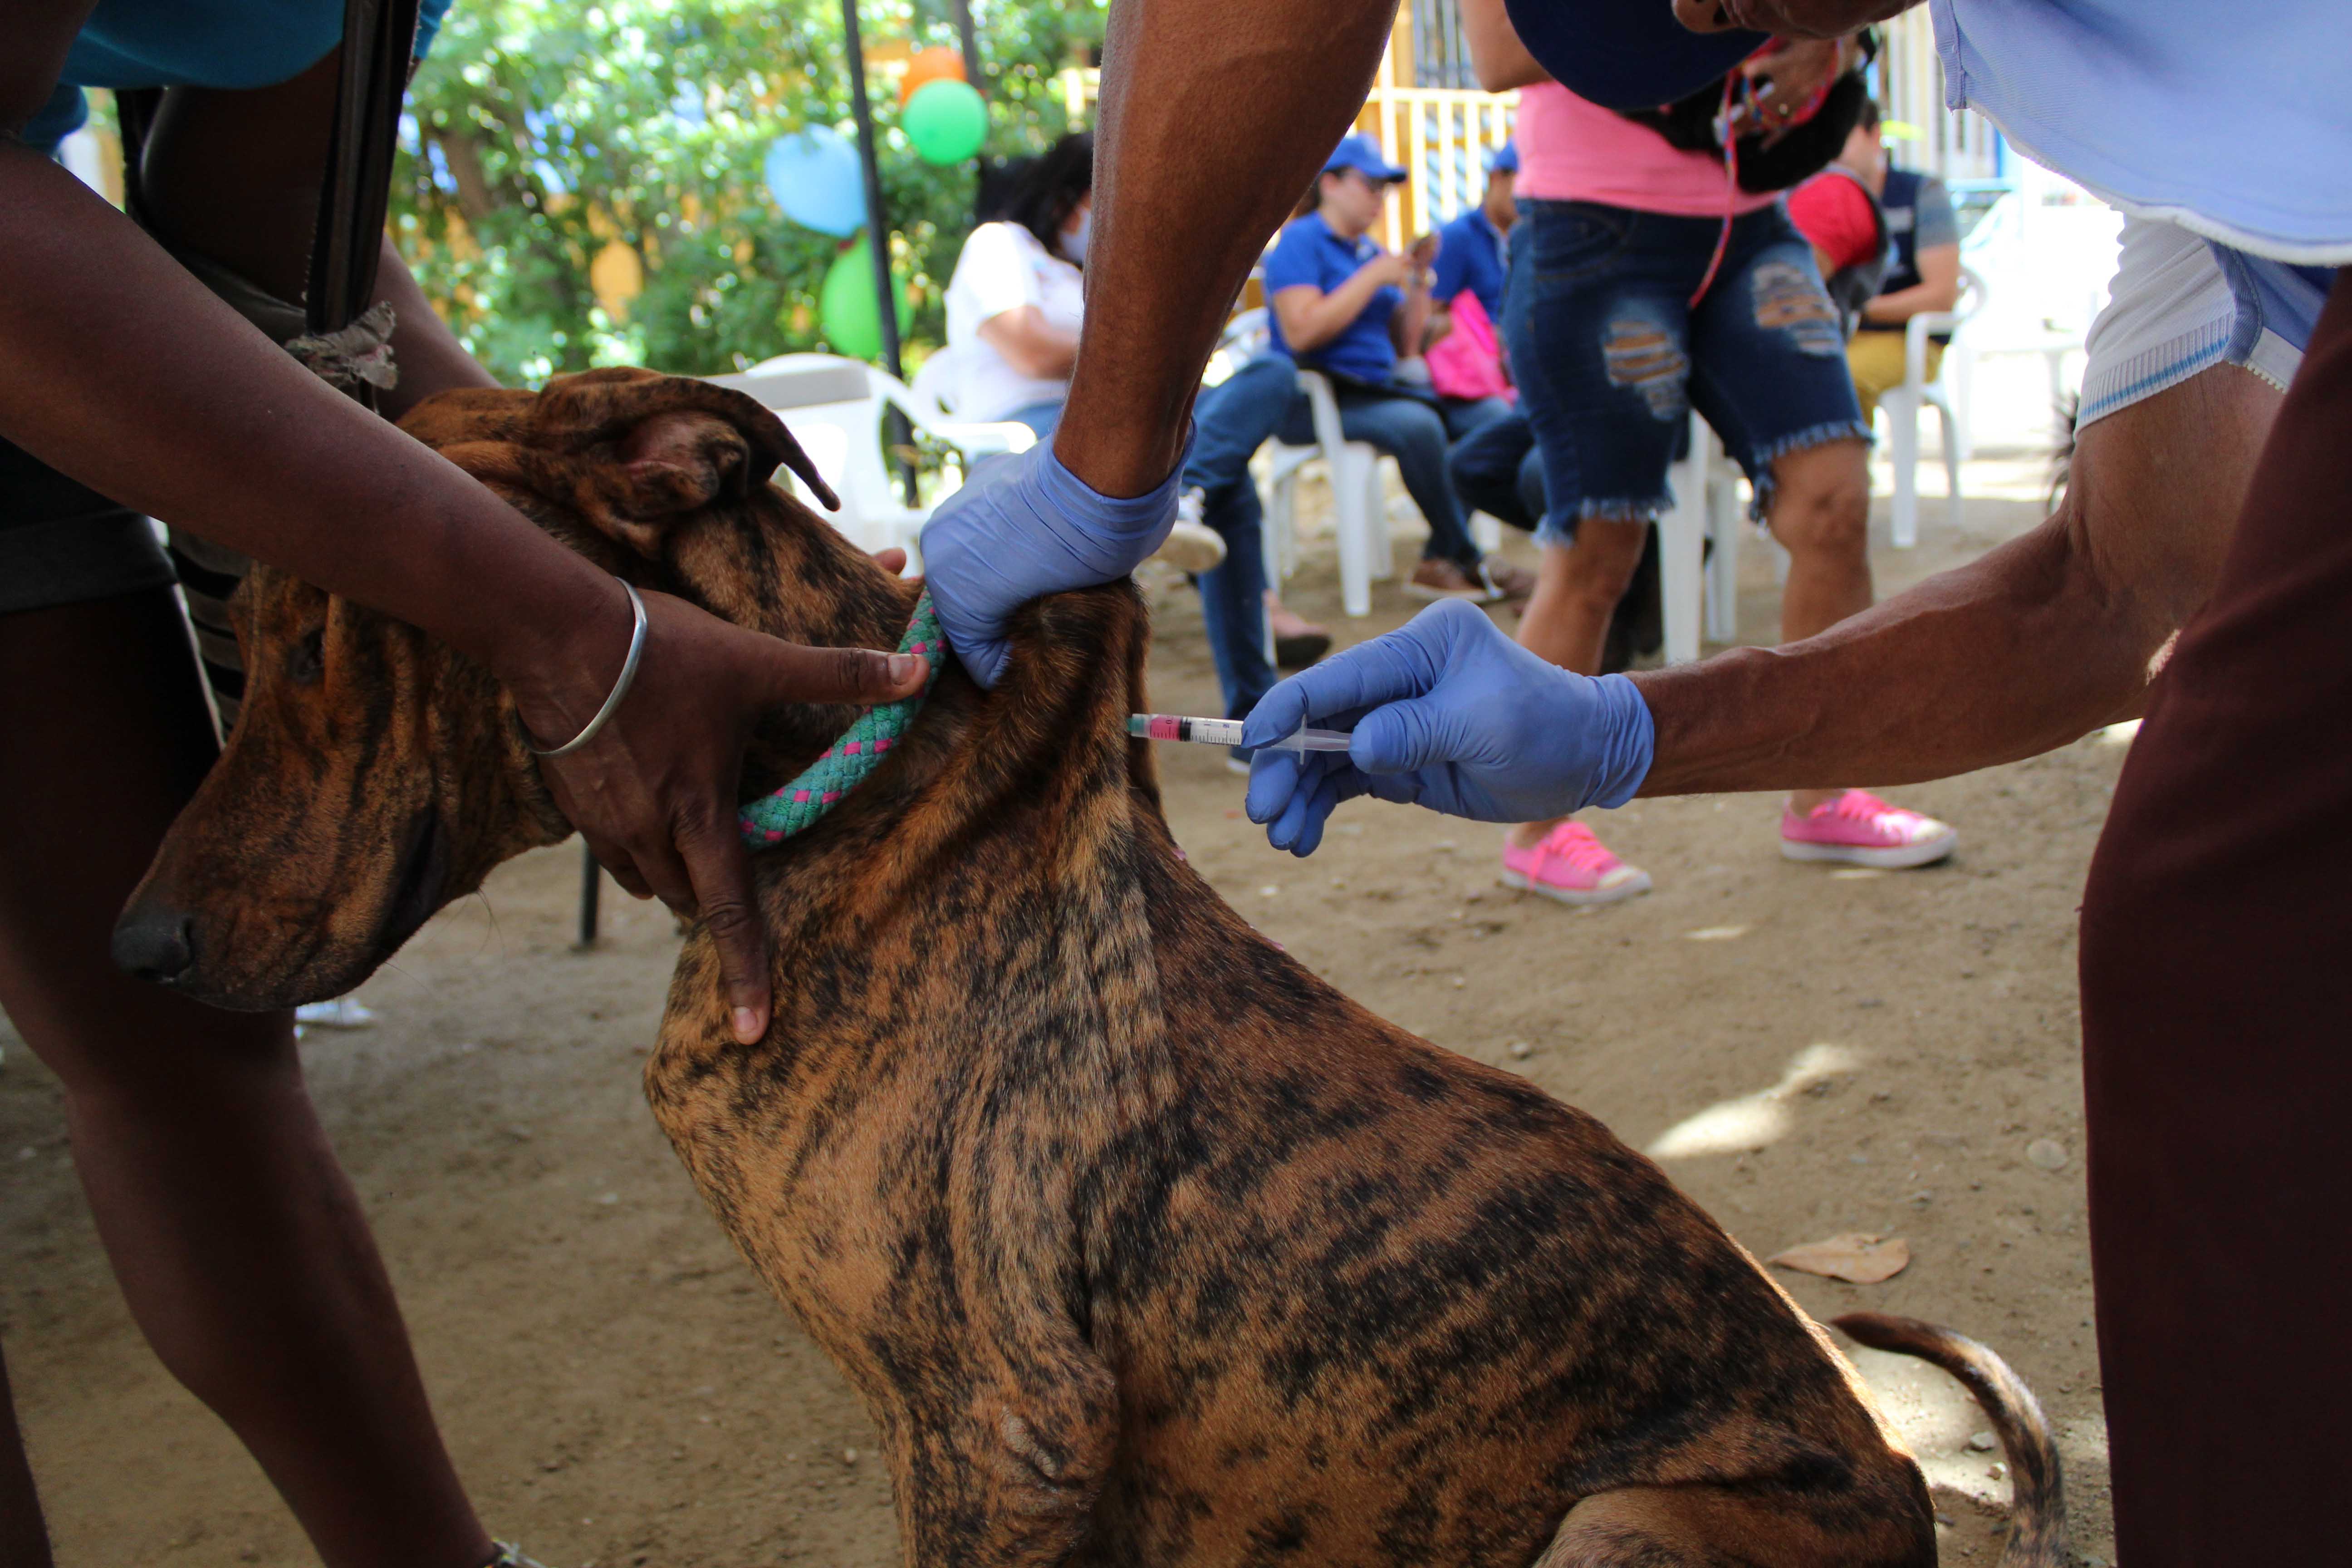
{"x": 379, "y": 43}
{"x": 355, "y": 189}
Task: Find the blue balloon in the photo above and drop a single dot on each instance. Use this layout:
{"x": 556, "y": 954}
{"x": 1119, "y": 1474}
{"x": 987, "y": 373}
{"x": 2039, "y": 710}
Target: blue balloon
{"x": 815, "y": 177}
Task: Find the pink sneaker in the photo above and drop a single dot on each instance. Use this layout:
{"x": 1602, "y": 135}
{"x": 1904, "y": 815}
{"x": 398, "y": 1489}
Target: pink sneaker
{"x": 1857, "y": 828}
{"x": 1572, "y": 866}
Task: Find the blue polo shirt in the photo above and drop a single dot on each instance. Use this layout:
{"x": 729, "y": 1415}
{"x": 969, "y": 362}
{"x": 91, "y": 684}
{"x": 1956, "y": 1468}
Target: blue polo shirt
{"x": 1470, "y": 255}
{"x": 197, "y": 43}
{"x": 1309, "y": 252}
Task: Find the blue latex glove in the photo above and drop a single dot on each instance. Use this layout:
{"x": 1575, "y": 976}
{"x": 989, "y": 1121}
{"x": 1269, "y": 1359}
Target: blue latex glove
{"x": 1449, "y": 713}
{"x": 1026, "y": 526}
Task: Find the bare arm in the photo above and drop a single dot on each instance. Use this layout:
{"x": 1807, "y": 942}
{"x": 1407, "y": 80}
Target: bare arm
{"x": 1501, "y": 61}
{"x": 1790, "y": 19}
{"x": 2035, "y": 644}
{"x": 429, "y": 354}
{"x": 1215, "y": 116}
{"x": 128, "y": 374}
{"x": 1311, "y": 317}
{"x": 1433, "y": 332}
{"x": 1030, "y": 344}
{"x": 1409, "y": 326}
{"x": 1938, "y": 289}
{"x": 118, "y": 369}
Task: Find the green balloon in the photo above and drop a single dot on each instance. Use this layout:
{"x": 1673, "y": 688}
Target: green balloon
{"x": 846, "y": 308}
{"x": 946, "y": 121}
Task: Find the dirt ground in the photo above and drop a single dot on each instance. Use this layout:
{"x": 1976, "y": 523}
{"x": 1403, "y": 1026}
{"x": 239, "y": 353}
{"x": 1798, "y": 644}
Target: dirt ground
{"x": 1811, "y": 1051}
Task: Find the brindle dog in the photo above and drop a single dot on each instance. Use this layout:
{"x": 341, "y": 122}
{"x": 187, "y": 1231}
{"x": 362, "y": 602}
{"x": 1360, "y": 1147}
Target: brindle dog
{"x": 1143, "y": 1245}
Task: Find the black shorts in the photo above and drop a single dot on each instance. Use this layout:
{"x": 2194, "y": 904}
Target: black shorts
{"x": 62, "y": 542}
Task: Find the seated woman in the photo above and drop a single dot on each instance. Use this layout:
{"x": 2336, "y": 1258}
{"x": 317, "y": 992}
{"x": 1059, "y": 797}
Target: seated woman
{"x": 1861, "y": 203}
{"x": 1015, "y": 299}
{"x": 1342, "y": 305}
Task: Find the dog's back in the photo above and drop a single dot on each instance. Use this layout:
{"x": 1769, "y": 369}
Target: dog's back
{"x": 1413, "y": 1310}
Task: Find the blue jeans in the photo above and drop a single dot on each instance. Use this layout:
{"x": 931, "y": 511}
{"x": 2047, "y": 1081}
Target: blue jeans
{"x": 1412, "y": 431}
{"x": 1466, "y": 416}
{"x": 1041, "y": 417}
{"x": 1611, "y": 356}
{"x": 1498, "y": 471}
{"x": 1230, "y": 421}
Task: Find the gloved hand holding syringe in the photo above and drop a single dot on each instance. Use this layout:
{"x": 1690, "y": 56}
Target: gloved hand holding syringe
{"x": 1228, "y": 733}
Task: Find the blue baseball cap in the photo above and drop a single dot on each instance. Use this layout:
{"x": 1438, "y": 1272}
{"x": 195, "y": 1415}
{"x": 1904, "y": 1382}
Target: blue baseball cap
{"x": 1505, "y": 159}
{"x": 1626, "y": 54}
{"x": 1361, "y": 153}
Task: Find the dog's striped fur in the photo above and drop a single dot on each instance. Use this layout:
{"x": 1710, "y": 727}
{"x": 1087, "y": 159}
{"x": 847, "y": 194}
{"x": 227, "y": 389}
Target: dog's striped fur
{"x": 1143, "y": 1245}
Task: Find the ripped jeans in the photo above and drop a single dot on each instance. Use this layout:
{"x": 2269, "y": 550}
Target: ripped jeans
{"x": 1610, "y": 356}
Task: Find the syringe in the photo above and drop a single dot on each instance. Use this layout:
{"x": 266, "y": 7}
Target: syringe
{"x": 1228, "y": 733}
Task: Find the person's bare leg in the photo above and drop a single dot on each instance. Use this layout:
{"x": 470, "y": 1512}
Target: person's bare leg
{"x": 24, "y": 1540}
{"x": 2027, "y": 648}
{"x": 1567, "y": 618}
{"x": 237, "y": 1240}
{"x": 1821, "y": 515}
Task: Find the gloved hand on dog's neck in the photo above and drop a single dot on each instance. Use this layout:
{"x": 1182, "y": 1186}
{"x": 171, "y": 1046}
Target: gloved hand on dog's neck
{"x": 1024, "y": 526}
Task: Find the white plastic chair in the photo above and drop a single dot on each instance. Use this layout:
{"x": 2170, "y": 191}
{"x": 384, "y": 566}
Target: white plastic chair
{"x": 833, "y": 407}
{"x": 934, "y": 384}
{"x": 1901, "y": 406}
{"x": 1244, "y": 339}
{"x": 1705, "y": 486}
{"x": 1359, "y": 504}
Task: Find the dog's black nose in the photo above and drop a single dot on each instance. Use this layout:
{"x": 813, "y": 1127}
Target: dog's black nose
{"x": 154, "y": 942}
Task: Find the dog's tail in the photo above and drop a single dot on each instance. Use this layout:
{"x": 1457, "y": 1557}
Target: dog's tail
{"x": 2037, "y": 1535}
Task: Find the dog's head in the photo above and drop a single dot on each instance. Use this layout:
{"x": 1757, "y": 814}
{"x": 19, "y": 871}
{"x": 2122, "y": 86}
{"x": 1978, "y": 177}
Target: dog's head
{"x": 375, "y": 775}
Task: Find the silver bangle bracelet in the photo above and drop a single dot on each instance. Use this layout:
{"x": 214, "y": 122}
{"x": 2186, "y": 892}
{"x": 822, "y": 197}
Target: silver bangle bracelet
{"x": 620, "y": 687}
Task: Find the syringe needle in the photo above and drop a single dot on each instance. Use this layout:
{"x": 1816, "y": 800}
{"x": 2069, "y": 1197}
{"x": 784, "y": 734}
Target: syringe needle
{"x": 1228, "y": 733}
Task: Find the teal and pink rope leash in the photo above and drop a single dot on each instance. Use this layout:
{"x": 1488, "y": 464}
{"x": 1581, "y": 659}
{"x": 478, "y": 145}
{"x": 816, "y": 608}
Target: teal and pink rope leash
{"x": 774, "y": 818}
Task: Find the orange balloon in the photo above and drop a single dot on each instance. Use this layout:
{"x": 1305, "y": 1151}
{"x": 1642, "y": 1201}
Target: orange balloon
{"x": 935, "y": 64}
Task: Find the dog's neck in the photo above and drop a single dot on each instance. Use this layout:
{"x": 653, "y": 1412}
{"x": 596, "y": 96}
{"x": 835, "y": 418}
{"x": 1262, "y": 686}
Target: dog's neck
{"x": 1026, "y": 810}
{"x": 773, "y": 566}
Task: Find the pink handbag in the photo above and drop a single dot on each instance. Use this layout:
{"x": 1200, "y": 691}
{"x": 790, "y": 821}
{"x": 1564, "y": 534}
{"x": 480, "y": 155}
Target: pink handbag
{"x": 1468, "y": 363}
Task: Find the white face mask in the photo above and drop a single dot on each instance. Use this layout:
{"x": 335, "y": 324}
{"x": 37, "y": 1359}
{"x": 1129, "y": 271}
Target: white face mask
{"x": 1072, "y": 242}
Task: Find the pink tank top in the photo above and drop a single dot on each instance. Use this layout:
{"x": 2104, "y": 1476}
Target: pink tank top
{"x": 1572, "y": 150}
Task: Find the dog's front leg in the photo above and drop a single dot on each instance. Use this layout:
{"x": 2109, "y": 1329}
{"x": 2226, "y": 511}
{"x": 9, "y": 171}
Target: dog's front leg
{"x": 1003, "y": 1469}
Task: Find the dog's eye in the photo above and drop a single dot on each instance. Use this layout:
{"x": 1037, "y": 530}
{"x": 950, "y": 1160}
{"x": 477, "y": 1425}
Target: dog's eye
{"x": 308, "y": 662}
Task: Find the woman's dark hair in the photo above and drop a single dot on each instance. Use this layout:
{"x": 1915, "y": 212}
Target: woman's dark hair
{"x": 999, "y": 178}
{"x": 1039, "y": 194}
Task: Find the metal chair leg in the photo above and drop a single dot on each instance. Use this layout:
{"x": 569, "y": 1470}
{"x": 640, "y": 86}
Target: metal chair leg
{"x": 591, "y": 884}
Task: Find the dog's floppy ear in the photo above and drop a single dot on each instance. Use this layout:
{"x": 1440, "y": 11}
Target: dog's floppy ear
{"x": 637, "y": 448}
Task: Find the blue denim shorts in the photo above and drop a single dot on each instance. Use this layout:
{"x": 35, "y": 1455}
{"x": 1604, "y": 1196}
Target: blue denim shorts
{"x": 1610, "y": 356}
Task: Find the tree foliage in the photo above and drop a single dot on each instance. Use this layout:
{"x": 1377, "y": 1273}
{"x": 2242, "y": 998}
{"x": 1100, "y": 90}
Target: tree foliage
{"x": 552, "y": 147}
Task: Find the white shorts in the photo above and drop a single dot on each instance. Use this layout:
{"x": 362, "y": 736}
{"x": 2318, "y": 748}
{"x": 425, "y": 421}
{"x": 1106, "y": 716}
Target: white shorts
{"x": 2172, "y": 311}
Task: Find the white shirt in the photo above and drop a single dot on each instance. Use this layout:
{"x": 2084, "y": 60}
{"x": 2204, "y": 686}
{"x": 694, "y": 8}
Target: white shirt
{"x": 2232, "y": 120}
{"x": 1003, "y": 267}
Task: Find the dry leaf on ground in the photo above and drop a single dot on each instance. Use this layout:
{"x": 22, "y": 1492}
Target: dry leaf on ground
{"x": 1854, "y": 1257}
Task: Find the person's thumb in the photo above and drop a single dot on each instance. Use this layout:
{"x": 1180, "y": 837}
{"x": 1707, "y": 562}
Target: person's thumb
{"x": 1400, "y": 737}
{"x": 792, "y": 673}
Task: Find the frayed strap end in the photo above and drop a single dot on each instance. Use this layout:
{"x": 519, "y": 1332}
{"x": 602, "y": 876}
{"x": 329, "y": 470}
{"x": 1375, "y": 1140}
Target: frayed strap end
{"x": 350, "y": 355}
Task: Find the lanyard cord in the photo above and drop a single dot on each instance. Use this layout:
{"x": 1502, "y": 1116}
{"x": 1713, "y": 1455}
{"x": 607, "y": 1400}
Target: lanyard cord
{"x": 1730, "y": 187}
